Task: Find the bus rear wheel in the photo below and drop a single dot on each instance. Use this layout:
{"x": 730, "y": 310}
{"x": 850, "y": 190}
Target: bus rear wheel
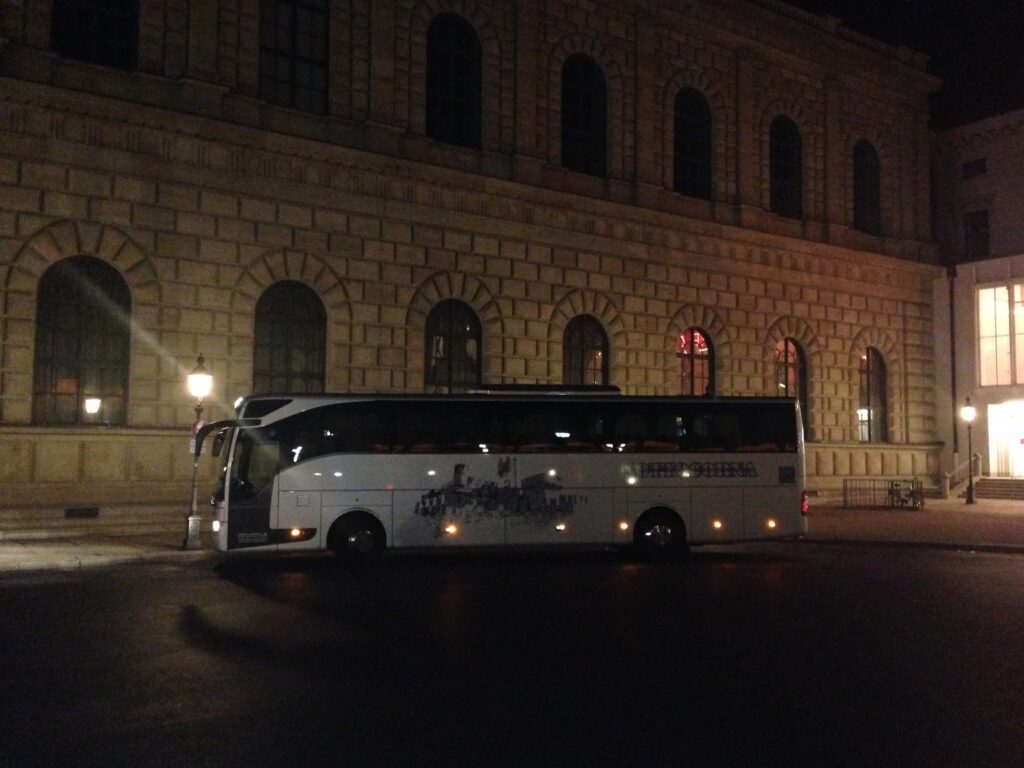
{"x": 660, "y": 532}
{"x": 357, "y": 536}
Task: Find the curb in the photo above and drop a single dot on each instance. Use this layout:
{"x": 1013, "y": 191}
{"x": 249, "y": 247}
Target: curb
{"x": 949, "y": 546}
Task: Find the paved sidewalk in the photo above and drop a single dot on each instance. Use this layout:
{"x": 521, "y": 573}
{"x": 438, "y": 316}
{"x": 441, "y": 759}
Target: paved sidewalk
{"x": 989, "y": 525}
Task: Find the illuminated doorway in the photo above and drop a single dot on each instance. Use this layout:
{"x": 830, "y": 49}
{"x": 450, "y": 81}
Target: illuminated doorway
{"x": 1006, "y": 438}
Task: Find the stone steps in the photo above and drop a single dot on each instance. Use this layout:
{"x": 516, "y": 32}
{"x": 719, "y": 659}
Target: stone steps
{"x": 999, "y": 488}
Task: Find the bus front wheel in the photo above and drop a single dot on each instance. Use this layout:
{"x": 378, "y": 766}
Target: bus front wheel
{"x": 357, "y": 535}
{"x": 660, "y": 531}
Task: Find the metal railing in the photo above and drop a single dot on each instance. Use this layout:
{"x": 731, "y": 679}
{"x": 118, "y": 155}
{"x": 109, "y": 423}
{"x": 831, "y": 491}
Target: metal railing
{"x": 906, "y": 494}
{"x": 969, "y": 465}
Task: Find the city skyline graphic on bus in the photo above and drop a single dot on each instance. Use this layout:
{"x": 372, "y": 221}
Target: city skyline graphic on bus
{"x": 468, "y": 499}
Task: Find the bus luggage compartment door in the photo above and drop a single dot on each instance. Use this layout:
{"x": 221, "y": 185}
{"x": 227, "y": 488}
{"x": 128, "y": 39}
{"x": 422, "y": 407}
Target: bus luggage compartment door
{"x": 298, "y": 520}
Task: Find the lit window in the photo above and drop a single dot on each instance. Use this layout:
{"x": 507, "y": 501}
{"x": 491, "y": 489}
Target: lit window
{"x": 872, "y": 411}
{"x": 585, "y": 352}
{"x": 1001, "y": 335}
{"x": 82, "y": 344}
{"x": 696, "y": 363}
{"x": 453, "y": 336}
{"x": 791, "y": 373}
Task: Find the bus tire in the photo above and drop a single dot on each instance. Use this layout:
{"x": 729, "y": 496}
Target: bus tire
{"x": 660, "y": 531}
{"x": 357, "y": 536}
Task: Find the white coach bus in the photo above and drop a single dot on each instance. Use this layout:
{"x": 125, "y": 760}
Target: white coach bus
{"x": 363, "y": 473}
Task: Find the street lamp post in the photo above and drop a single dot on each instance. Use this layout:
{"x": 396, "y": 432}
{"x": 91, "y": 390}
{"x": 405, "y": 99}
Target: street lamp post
{"x": 200, "y": 382}
{"x": 968, "y": 414}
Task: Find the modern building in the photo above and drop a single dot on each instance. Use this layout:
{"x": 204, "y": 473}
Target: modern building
{"x": 704, "y": 197}
{"x": 979, "y": 230}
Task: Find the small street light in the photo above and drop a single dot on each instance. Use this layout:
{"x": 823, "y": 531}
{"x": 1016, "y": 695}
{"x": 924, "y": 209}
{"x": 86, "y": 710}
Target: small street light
{"x": 968, "y": 414}
{"x": 200, "y": 382}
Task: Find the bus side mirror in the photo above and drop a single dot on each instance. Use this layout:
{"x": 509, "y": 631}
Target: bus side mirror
{"x": 218, "y": 443}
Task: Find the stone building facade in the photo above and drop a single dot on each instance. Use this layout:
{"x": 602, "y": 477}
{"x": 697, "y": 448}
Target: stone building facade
{"x": 202, "y": 182}
{"x": 979, "y": 234}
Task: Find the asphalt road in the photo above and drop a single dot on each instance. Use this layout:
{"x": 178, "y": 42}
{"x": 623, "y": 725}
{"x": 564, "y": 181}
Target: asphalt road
{"x": 760, "y": 655}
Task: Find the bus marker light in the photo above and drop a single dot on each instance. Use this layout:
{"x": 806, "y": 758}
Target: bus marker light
{"x": 771, "y": 523}
{"x": 623, "y": 526}
{"x": 216, "y": 526}
{"x": 431, "y": 472}
{"x": 337, "y": 474}
{"x": 560, "y": 527}
{"x": 552, "y": 473}
{"x": 716, "y": 524}
{"x": 296, "y": 532}
{"x": 451, "y": 530}
{"x": 631, "y": 480}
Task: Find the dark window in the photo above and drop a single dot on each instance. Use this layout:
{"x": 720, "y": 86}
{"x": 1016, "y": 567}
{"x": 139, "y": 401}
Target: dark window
{"x": 692, "y": 145}
{"x": 696, "y": 363}
{"x": 786, "y": 168}
{"x": 867, "y": 197}
{"x": 293, "y": 53}
{"x": 791, "y": 372}
{"x": 453, "y": 82}
{"x": 976, "y": 234}
{"x": 584, "y": 352}
{"x": 82, "y": 344}
{"x": 452, "y": 352}
{"x": 872, "y": 417}
{"x": 101, "y": 31}
{"x": 584, "y": 116}
{"x": 973, "y": 168}
{"x": 290, "y": 343}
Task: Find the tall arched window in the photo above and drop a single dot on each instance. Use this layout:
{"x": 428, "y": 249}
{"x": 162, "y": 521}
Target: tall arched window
{"x": 83, "y": 338}
{"x": 786, "y": 168}
{"x": 692, "y": 145}
{"x": 791, "y": 373}
{"x": 291, "y": 340}
{"x": 867, "y": 199}
{"x": 453, "y": 344}
{"x": 584, "y": 352}
{"x": 872, "y": 411}
{"x": 584, "y": 116}
{"x": 453, "y": 81}
{"x": 696, "y": 363}
{"x": 100, "y": 31}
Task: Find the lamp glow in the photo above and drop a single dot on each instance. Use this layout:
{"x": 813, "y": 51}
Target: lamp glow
{"x": 200, "y": 382}
{"x": 92, "y": 405}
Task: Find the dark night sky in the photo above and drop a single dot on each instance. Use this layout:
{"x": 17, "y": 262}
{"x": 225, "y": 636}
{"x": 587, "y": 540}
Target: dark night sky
{"x": 977, "y": 48}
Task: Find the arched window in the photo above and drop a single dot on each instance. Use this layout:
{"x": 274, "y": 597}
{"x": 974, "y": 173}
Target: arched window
{"x": 584, "y": 352}
{"x": 453, "y": 82}
{"x": 867, "y": 200}
{"x": 293, "y": 53}
{"x": 696, "y": 363}
{"x": 786, "y": 168}
{"x": 791, "y": 373}
{"x": 872, "y": 412}
{"x": 83, "y": 338}
{"x": 692, "y": 145}
{"x": 584, "y": 116}
{"x": 100, "y": 31}
{"x": 291, "y": 340}
{"x": 453, "y": 342}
